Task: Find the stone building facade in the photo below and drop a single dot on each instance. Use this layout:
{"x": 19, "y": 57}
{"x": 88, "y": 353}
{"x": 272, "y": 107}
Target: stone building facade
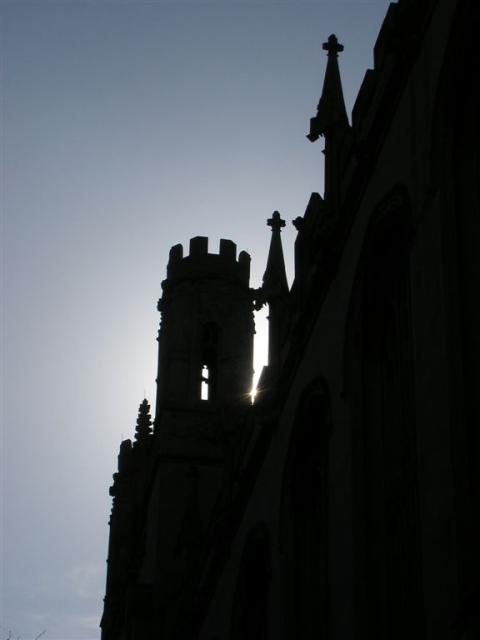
{"x": 343, "y": 503}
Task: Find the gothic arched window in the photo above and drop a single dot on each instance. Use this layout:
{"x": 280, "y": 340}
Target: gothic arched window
{"x": 387, "y": 482}
{"x": 304, "y": 517}
{"x": 250, "y": 609}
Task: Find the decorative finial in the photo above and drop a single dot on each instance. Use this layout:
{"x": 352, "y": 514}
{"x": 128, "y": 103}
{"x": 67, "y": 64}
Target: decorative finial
{"x": 144, "y": 422}
{"x": 332, "y": 46}
{"x": 276, "y": 221}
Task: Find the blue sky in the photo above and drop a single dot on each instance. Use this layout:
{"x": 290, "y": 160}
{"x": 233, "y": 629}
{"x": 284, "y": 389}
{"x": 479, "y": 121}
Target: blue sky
{"x": 128, "y": 127}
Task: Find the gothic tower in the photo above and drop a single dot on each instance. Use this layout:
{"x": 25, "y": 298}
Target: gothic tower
{"x": 172, "y": 482}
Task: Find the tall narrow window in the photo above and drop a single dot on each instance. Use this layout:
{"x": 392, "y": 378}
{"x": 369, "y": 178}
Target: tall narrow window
{"x": 209, "y": 336}
{"x": 390, "y": 503}
{"x": 205, "y": 389}
{"x": 250, "y": 608}
{"x": 305, "y": 517}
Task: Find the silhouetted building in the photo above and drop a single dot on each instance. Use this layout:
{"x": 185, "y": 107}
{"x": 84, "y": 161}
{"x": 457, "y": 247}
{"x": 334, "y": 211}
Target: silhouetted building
{"x": 343, "y": 503}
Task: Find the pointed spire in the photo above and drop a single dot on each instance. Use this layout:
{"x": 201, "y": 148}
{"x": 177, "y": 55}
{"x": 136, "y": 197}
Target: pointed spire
{"x": 331, "y": 109}
{"x": 275, "y": 278}
{"x": 144, "y": 422}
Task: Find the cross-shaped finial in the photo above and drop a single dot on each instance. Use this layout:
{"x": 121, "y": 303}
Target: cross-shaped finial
{"x": 332, "y": 46}
{"x": 275, "y": 221}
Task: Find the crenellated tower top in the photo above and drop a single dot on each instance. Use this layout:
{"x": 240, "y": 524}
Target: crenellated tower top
{"x": 201, "y": 264}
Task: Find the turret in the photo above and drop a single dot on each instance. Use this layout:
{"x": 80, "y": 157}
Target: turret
{"x": 206, "y": 333}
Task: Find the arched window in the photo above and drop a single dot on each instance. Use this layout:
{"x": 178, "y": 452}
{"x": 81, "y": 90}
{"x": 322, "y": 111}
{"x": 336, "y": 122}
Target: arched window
{"x": 250, "y": 608}
{"x": 387, "y": 533}
{"x": 304, "y": 517}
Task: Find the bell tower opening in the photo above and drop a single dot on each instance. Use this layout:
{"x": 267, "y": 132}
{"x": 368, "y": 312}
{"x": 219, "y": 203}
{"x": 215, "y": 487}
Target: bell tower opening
{"x": 205, "y": 388}
{"x": 210, "y": 336}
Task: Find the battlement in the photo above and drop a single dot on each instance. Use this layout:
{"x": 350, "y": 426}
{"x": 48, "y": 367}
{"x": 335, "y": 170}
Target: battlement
{"x": 200, "y": 264}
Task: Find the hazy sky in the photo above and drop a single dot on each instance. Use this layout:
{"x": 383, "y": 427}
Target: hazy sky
{"x": 128, "y": 127}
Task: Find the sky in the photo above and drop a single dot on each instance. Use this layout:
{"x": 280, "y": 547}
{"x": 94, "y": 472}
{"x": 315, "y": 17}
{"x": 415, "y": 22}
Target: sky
{"x": 128, "y": 127}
